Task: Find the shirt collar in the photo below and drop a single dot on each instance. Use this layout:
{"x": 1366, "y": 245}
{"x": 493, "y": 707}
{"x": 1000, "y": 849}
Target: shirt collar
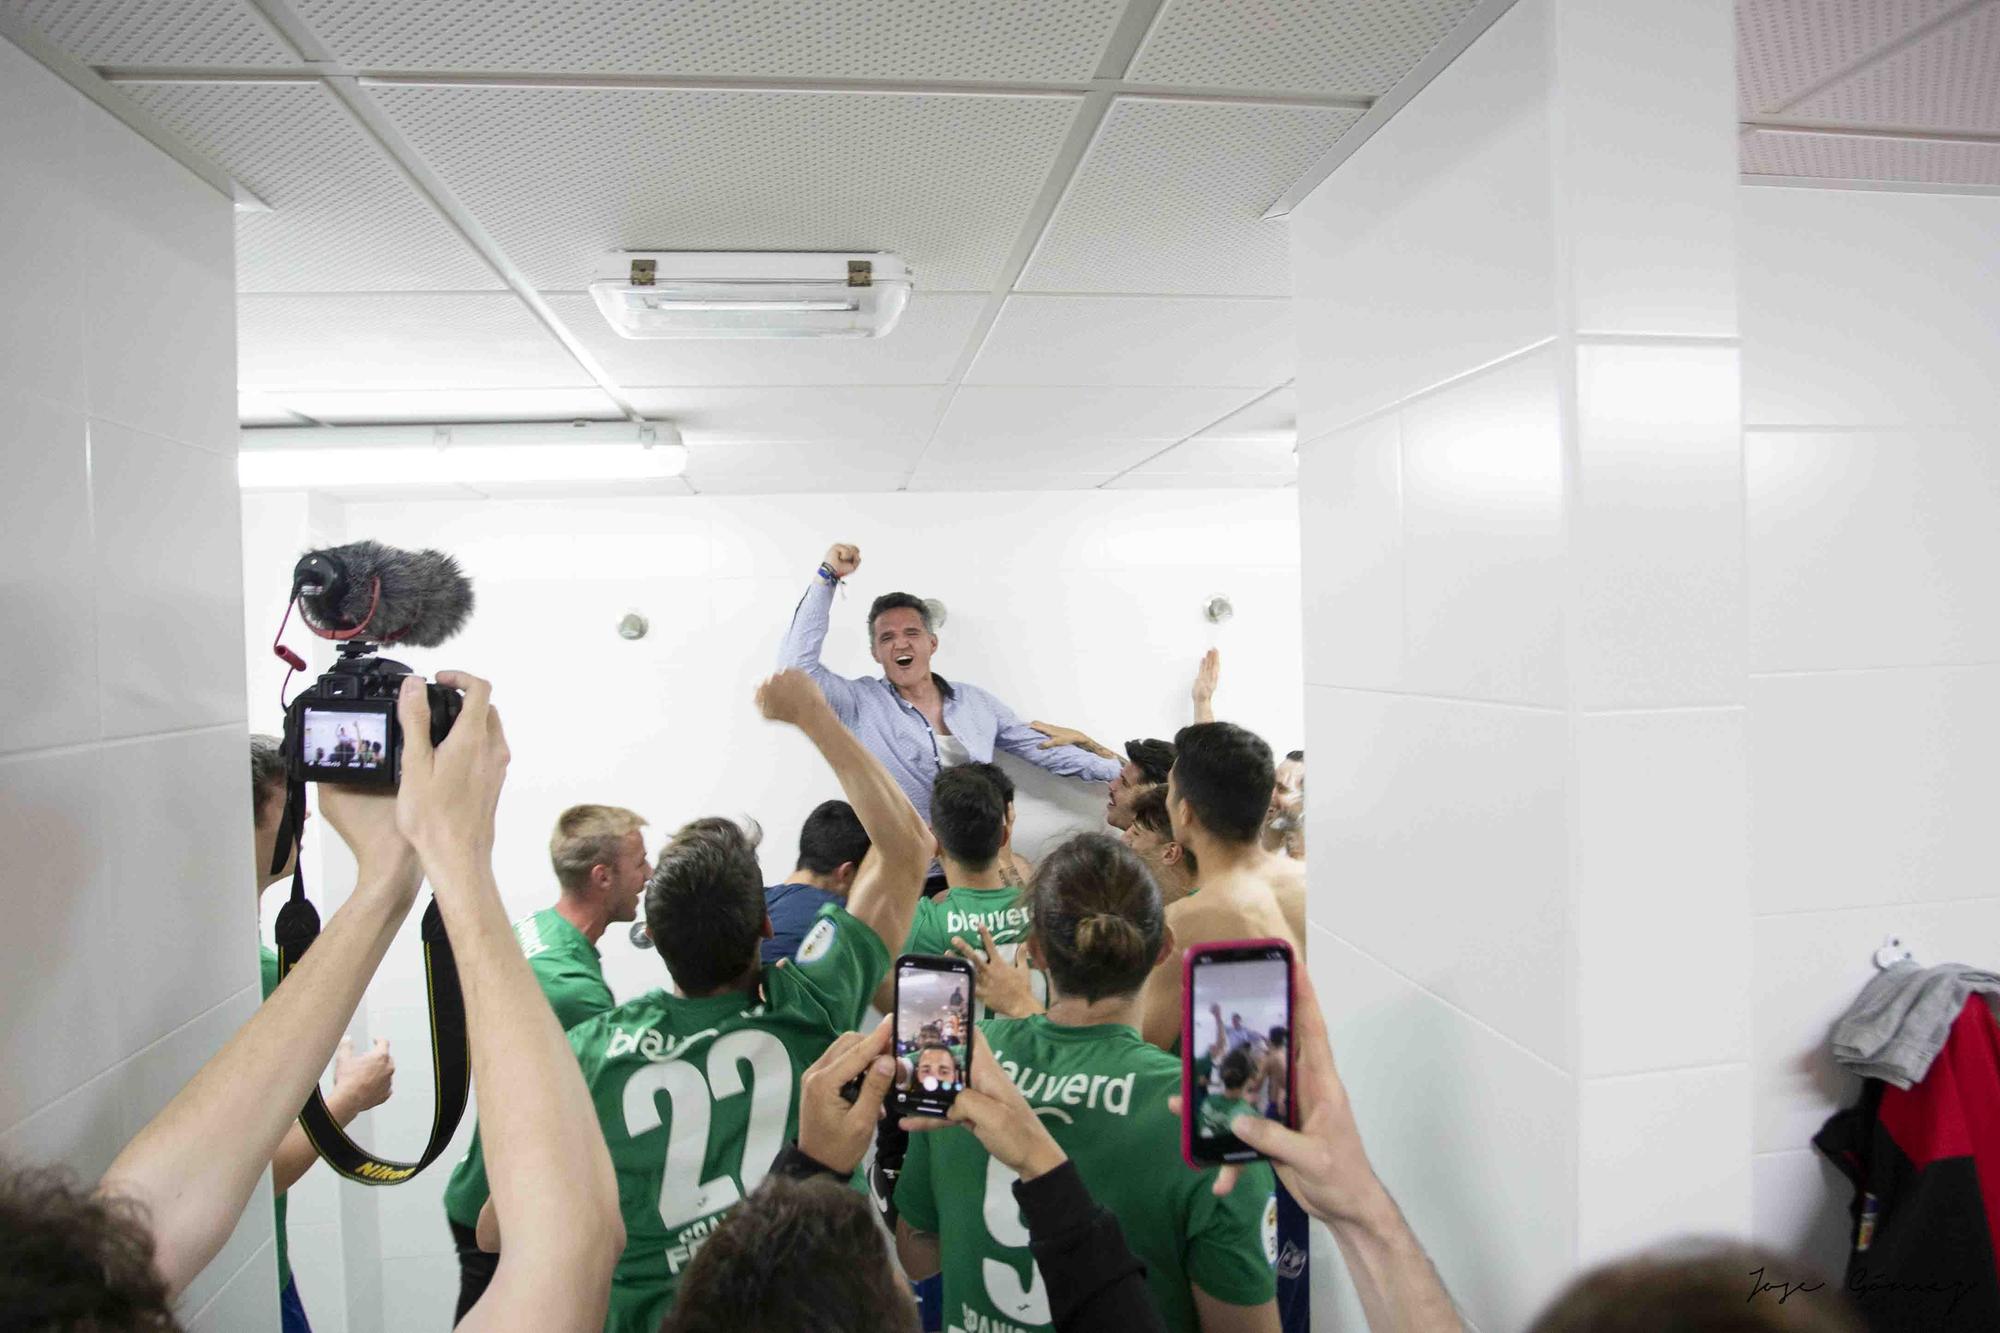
{"x": 945, "y": 688}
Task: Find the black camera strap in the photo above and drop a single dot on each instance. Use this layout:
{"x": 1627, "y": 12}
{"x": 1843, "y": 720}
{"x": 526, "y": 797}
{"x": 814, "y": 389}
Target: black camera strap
{"x": 451, "y": 1062}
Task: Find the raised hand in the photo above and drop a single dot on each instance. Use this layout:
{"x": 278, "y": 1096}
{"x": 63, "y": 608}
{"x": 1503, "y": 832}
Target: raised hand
{"x": 790, "y": 696}
{"x": 1059, "y": 736}
{"x": 1005, "y": 988}
{"x": 833, "y": 1131}
{"x": 363, "y": 1081}
{"x": 448, "y": 796}
{"x": 366, "y": 822}
{"x": 843, "y": 559}
{"x": 1205, "y": 677}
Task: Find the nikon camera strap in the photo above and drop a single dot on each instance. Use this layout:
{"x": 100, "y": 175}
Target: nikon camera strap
{"x": 298, "y": 927}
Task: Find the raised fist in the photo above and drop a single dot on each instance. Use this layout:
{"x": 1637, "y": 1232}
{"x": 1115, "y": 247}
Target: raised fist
{"x": 790, "y": 696}
{"x": 843, "y": 559}
{"x": 365, "y": 1078}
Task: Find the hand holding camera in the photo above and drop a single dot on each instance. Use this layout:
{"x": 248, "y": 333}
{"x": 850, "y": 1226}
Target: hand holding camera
{"x": 366, "y": 822}
{"x": 840, "y": 1098}
{"x": 449, "y": 793}
{"x": 1000, "y": 1117}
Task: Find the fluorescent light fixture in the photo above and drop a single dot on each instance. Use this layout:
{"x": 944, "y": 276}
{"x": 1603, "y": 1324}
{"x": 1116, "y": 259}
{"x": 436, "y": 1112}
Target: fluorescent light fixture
{"x": 753, "y": 294}
{"x": 358, "y": 458}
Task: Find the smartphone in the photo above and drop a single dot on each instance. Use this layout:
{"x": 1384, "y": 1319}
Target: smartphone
{"x": 1236, "y": 1028}
{"x": 933, "y": 1032}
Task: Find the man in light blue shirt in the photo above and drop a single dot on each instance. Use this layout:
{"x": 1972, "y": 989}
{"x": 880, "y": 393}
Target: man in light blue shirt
{"x": 914, "y": 720}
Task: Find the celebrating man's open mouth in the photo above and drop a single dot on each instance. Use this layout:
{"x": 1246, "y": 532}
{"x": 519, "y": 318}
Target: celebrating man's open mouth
{"x": 904, "y": 659}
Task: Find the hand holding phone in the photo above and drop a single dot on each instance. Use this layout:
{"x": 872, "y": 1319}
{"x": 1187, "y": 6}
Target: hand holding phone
{"x": 1236, "y": 1021}
{"x": 933, "y": 1032}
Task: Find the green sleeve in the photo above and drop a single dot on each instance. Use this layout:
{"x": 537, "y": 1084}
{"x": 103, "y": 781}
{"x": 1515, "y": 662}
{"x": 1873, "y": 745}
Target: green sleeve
{"x": 1227, "y": 1255}
{"x": 916, "y": 1203}
{"x": 267, "y": 960}
{"x": 574, "y": 993}
{"x": 926, "y": 935}
{"x": 839, "y": 964}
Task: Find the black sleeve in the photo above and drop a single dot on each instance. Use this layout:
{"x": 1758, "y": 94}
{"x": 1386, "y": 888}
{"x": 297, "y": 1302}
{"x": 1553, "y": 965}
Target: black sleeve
{"x": 794, "y": 1163}
{"x": 1094, "y": 1279}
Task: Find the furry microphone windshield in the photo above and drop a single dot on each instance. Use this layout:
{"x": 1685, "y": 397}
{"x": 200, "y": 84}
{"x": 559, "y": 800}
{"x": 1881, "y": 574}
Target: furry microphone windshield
{"x": 365, "y": 590}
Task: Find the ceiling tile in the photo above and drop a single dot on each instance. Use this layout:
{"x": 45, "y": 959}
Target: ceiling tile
{"x": 1274, "y": 418}
{"x": 991, "y": 429}
{"x": 1265, "y": 458}
{"x": 855, "y": 39}
{"x": 1199, "y": 481}
{"x": 921, "y": 349}
{"x": 1137, "y": 340}
{"x": 1947, "y": 80}
{"x": 158, "y": 32}
{"x": 1009, "y": 481}
{"x": 1170, "y": 199}
{"x": 342, "y": 217}
{"x": 1850, "y": 157}
{"x": 803, "y": 458}
{"x": 492, "y": 404}
{"x": 393, "y": 340}
{"x": 563, "y": 176}
{"x": 1784, "y": 47}
{"x": 887, "y": 416}
{"x": 1310, "y": 46}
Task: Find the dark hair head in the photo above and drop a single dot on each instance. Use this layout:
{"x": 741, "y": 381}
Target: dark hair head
{"x": 1225, "y": 774}
{"x": 71, "y": 1259}
{"x": 1697, "y": 1286}
{"x": 831, "y": 837}
{"x": 899, "y": 601}
{"x": 969, "y": 813}
{"x": 1097, "y": 917}
{"x": 1153, "y": 757}
{"x": 1296, "y": 756}
{"x": 1279, "y": 1036}
{"x": 796, "y": 1254}
{"x": 1149, "y": 812}
{"x": 705, "y": 904}
{"x": 1235, "y": 1069}
{"x": 267, "y": 771}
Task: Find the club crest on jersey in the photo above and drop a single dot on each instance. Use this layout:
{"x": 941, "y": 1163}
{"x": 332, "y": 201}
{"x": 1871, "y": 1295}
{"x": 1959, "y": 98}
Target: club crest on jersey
{"x": 817, "y": 941}
{"x": 1271, "y": 1231}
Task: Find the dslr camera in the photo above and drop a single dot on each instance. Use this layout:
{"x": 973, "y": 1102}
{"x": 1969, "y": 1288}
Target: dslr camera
{"x": 344, "y": 728}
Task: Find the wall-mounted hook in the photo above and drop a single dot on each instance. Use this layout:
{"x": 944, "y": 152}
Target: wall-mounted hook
{"x": 1892, "y": 952}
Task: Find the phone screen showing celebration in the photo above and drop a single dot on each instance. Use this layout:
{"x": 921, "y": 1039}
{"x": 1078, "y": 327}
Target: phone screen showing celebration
{"x": 1236, "y": 1045}
{"x": 933, "y": 1032}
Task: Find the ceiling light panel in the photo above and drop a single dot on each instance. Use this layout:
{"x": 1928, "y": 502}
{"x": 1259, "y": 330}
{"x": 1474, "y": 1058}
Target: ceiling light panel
{"x": 921, "y": 349}
{"x": 1850, "y": 157}
{"x": 342, "y": 217}
{"x": 256, "y": 409}
{"x": 158, "y": 32}
{"x": 396, "y": 340}
{"x": 1784, "y": 47}
{"x": 1169, "y": 198}
{"x": 338, "y": 407}
{"x": 866, "y": 416}
{"x": 561, "y": 176}
{"x": 1136, "y": 340}
{"x": 856, "y": 39}
{"x": 1947, "y": 80}
{"x": 1303, "y": 46}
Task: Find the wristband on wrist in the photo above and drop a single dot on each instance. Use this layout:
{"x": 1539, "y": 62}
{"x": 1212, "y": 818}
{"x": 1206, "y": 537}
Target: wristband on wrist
{"x": 826, "y": 572}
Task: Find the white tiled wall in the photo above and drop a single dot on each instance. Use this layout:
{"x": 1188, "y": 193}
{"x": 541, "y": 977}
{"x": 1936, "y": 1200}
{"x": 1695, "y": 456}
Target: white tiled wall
{"x": 1521, "y": 509}
{"x": 122, "y": 766}
{"x": 1872, "y": 462}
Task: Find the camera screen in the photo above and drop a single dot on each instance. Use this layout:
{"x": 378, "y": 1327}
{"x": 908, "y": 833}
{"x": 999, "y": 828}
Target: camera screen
{"x": 933, "y": 1034}
{"x": 1242, "y": 1041}
{"x": 346, "y": 743}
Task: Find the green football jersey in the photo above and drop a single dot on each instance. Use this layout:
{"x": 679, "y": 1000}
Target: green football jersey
{"x": 268, "y": 965}
{"x": 1218, "y": 1111}
{"x": 1103, "y": 1092}
{"x": 571, "y": 975}
{"x": 697, "y": 1097}
{"x": 961, "y": 912}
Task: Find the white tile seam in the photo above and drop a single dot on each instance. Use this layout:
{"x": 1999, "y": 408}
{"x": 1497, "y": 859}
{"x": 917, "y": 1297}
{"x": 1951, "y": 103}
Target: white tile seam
{"x": 1908, "y": 904}
{"x": 1667, "y": 709}
{"x": 1426, "y": 991}
{"x": 1668, "y": 1071}
{"x": 1434, "y": 388}
{"x": 102, "y": 742}
{"x": 129, "y": 1056}
{"x": 1552, "y": 710}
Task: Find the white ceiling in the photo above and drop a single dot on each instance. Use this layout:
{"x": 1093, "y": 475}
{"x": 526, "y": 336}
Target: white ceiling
{"x": 1078, "y": 185}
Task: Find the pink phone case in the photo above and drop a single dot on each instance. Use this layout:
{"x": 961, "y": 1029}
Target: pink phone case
{"x": 1187, "y": 1034}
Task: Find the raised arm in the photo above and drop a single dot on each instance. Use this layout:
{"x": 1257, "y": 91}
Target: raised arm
{"x": 194, "y": 1166}
{"x": 806, "y": 635}
{"x": 545, "y": 1156}
{"x": 1070, "y": 761}
{"x": 1205, "y": 677}
{"x": 891, "y": 878}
